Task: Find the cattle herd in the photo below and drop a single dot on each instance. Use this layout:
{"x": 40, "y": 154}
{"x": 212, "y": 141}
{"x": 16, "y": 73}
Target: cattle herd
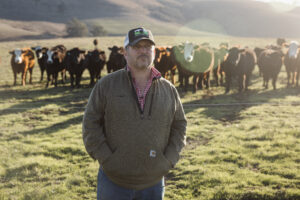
{"x": 200, "y": 62}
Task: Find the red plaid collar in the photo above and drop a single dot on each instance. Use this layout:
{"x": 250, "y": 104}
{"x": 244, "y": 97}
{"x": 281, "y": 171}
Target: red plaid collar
{"x": 142, "y": 94}
{"x": 154, "y": 72}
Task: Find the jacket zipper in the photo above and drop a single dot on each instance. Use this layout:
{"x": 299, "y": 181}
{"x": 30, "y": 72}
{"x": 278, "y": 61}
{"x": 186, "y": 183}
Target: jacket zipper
{"x": 136, "y": 97}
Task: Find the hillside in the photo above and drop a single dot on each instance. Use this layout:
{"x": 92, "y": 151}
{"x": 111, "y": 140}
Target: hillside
{"x": 247, "y": 18}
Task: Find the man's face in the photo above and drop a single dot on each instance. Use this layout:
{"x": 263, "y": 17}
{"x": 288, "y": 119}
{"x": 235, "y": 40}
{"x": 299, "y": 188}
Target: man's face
{"x": 141, "y": 55}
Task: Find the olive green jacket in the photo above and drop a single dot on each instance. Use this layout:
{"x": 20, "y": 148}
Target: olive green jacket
{"x": 135, "y": 148}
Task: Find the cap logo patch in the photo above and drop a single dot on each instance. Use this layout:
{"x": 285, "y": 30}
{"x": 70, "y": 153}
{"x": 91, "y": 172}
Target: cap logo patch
{"x": 141, "y": 32}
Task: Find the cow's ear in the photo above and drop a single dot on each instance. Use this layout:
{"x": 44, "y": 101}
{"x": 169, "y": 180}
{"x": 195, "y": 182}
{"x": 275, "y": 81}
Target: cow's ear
{"x": 11, "y": 52}
{"x": 33, "y": 48}
{"x": 109, "y": 48}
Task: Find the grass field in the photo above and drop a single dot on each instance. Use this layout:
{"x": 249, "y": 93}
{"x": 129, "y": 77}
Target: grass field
{"x": 239, "y": 146}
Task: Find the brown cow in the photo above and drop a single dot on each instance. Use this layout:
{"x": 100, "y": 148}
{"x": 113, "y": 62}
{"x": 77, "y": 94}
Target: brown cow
{"x": 22, "y": 60}
{"x": 292, "y": 62}
{"x": 270, "y": 62}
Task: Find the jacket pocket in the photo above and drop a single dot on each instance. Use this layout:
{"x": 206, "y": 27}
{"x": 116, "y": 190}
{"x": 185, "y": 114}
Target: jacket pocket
{"x": 111, "y": 164}
{"x": 159, "y": 166}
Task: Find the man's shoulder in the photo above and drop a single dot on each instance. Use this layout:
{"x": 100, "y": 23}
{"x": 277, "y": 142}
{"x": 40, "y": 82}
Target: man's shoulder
{"x": 166, "y": 82}
{"x": 112, "y": 76}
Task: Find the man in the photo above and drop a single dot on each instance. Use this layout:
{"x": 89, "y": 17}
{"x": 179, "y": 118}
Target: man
{"x": 134, "y": 125}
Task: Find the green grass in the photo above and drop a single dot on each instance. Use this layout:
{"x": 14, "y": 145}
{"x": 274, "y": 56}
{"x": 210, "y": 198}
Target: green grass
{"x": 239, "y": 146}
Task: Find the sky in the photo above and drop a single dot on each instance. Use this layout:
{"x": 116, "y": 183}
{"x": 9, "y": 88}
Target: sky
{"x": 282, "y": 5}
{"x": 289, "y": 2}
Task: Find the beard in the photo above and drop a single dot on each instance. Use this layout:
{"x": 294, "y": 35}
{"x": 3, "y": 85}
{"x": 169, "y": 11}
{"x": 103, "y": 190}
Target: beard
{"x": 143, "y": 61}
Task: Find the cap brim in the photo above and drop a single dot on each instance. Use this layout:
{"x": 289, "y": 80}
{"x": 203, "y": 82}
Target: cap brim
{"x": 139, "y": 39}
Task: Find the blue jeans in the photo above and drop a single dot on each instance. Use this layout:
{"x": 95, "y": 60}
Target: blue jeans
{"x": 107, "y": 190}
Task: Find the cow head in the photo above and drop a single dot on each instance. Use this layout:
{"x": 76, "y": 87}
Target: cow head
{"x": 189, "y": 51}
{"x": 18, "y": 55}
{"x": 76, "y": 55}
{"x": 38, "y": 51}
{"x": 50, "y": 56}
{"x": 293, "y": 49}
{"x": 233, "y": 55}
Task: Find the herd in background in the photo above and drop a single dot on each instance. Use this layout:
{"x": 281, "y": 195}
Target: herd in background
{"x": 190, "y": 60}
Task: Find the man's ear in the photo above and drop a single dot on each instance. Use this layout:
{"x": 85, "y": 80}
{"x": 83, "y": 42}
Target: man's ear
{"x": 125, "y": 52}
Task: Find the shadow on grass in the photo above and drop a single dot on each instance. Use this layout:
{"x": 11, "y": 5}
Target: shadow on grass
{"x": 227, "y": 107}
{"x": 63, "y": 97}
{"x": 55, "y": 127}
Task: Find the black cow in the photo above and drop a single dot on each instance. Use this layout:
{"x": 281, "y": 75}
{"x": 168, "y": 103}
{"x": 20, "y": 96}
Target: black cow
{"x": 94, "y": 62}
{"x": 239, "y": 63}
{"x": 41, "y": 55}
{"x": 74, "y": 64}
{"x": 164, "y": 63}
{"x": 116, "y": 59}
{"x": 55, "y": 64}
{"x": 270, "y": 62}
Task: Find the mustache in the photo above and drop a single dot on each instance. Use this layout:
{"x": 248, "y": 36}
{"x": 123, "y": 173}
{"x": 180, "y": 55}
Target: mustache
{"x": 143, "y": 55}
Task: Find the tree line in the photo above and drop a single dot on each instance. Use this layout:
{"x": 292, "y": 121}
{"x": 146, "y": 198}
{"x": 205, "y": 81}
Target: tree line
{"x": 77, "y": 28}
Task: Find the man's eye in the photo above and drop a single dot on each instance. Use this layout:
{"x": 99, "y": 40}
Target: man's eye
{"x": 142, "y": 46}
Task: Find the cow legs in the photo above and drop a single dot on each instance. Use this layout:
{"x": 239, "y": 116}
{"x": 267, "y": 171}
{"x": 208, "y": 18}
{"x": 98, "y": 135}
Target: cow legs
{"x": 173, "y": 71}
{"x": 247, "y": 81}
{"x": 186, "y": 83}
{"x": 48, "y": 79}
{"x": 274, "y": 79}
{"x": 30, "y": 75}
{"x": 288, "y": 79}
{"x": 78, "y": 78}
{"x": 265, "y": 81}
{"x": 72, "y": 79}
{"x": 42, "y": 75}
{"x": 15, "y": 78}
{"x": 195, "y": 87}
{"x": 216, "y": 78}
{"x": 23, "y": 78}
{"x": 207, "y": 80}
{"x": 200, "y": 81}
{"x": 91, "y": 77}
{"x": 55, "y": 75}
{"x": 63, "y": 77}
{"x": 227, "y": 83}
{"x": 297, "y": 79}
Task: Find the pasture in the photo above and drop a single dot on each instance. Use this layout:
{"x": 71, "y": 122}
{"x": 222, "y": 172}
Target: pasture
{"x": 239, "y": 146}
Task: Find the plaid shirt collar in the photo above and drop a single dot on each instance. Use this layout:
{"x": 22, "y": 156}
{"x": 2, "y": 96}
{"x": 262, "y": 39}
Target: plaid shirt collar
{"x": 141, "y": 94}
{"x": 154, "y": 72}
